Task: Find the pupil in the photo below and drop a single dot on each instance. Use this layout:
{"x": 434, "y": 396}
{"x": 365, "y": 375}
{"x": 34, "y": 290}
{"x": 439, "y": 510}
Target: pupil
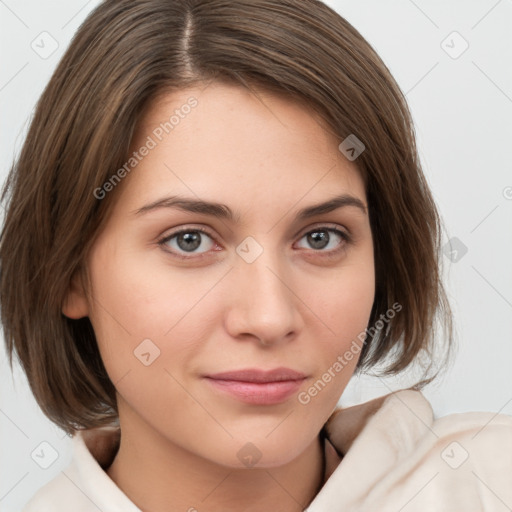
{"x": 318, "y": 239}
{"x": 189, "y": 241}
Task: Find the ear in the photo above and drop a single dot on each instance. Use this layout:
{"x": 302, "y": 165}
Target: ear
{"x": 75, "y": 303}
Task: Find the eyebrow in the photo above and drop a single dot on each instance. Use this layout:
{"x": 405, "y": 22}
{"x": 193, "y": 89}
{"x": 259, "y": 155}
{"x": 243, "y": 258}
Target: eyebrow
{"x": 223, "y": 211}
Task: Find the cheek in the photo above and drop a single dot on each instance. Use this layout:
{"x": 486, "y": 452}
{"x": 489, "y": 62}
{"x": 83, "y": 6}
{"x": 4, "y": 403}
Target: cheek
{"x": 343, "y": 301}
{"x": 344, "y": 308}
{"x": 140, "y": 308}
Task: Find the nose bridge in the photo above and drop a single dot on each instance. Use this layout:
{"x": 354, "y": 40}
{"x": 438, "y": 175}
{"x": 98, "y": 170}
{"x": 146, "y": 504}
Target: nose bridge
{"x": 265, "y": 280}
{"x": 265, "y": 305}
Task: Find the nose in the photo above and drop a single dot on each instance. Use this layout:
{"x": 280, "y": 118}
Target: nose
{"x": 262, "y": 305}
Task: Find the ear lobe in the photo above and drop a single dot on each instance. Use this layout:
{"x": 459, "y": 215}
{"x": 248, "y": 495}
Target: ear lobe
{"x": 75, "y": 303}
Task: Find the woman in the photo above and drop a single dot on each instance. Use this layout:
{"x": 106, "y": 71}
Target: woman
{"x": 218, "y": 216}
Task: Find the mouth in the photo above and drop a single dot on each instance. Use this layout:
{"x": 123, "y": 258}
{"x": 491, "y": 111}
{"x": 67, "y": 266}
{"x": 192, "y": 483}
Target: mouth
{"x": 258, "y": 387}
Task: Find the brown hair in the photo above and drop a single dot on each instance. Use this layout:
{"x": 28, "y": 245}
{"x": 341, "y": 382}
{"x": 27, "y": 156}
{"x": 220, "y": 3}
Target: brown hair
{"x": 124, "y": 55}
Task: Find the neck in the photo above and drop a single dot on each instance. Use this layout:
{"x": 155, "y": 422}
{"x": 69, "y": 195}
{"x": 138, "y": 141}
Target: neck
{"x": 159, "y": 475}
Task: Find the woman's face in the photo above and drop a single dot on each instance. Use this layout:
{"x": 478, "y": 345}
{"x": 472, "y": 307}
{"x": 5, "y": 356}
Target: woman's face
{"x": 216, "y": 260}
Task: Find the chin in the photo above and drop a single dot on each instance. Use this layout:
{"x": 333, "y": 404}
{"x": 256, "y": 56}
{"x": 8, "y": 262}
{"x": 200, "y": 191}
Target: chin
{"x": 256, "y": 451}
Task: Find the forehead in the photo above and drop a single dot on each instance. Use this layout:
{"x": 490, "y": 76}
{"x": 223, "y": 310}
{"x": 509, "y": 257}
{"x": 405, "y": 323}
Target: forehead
{"x": 241, "y": 148}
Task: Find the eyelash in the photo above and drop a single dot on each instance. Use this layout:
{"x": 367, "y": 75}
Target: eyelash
{"x": 325, "y": 254}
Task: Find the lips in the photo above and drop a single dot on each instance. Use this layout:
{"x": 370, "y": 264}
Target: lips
{"x": 256, "y": 375}
{"x": 259, "y": 387}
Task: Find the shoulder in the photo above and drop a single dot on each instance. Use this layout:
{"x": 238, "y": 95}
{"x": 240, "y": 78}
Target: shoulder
{"x": 83, "y": 483}
{"x": 397, "y": 455}
{"x": 462, "y": 461}
{"x": 482, "y": 440}
{"x": 56, "y": 495}
{"x": 472, "y": 446}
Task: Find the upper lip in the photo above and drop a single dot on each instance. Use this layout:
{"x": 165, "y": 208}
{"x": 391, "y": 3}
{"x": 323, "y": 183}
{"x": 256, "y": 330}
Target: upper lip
{"x": 257, "y": 375}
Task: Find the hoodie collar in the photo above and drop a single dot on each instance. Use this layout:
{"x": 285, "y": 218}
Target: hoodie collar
{"x": 371, "y": 438}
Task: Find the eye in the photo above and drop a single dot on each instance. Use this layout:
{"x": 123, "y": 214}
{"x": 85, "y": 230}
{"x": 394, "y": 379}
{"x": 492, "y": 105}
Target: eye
{"x": 326, "y": 239}
{"x": 196, "y": 242}
{"x": 188, "y": 241}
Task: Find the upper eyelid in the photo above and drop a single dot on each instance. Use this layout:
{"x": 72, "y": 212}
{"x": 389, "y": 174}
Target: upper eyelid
{"x": 326, "y": 225}
{"x": 301, "y": 232}
{"x": 187, "y": 229}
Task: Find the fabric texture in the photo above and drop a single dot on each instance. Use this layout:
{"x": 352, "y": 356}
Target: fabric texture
{"x": 387, "y": 455}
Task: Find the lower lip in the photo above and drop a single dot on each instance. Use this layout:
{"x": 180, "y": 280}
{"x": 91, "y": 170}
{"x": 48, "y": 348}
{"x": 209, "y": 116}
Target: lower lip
{"x": 260, "y": 393}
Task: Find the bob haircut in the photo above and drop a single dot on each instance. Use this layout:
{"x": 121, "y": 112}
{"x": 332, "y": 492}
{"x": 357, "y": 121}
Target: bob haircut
{"x": 126, "y": 54}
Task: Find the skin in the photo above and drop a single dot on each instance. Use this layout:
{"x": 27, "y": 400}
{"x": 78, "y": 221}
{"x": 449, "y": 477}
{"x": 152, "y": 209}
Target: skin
{"x": 265, "y": 157}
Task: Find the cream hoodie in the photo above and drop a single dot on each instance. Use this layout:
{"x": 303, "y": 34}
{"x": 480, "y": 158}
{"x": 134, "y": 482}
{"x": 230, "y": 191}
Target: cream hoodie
{"x": 385, "y": 455}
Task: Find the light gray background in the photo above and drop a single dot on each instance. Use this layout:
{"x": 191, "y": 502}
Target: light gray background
{"x": 462, "y": 107}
